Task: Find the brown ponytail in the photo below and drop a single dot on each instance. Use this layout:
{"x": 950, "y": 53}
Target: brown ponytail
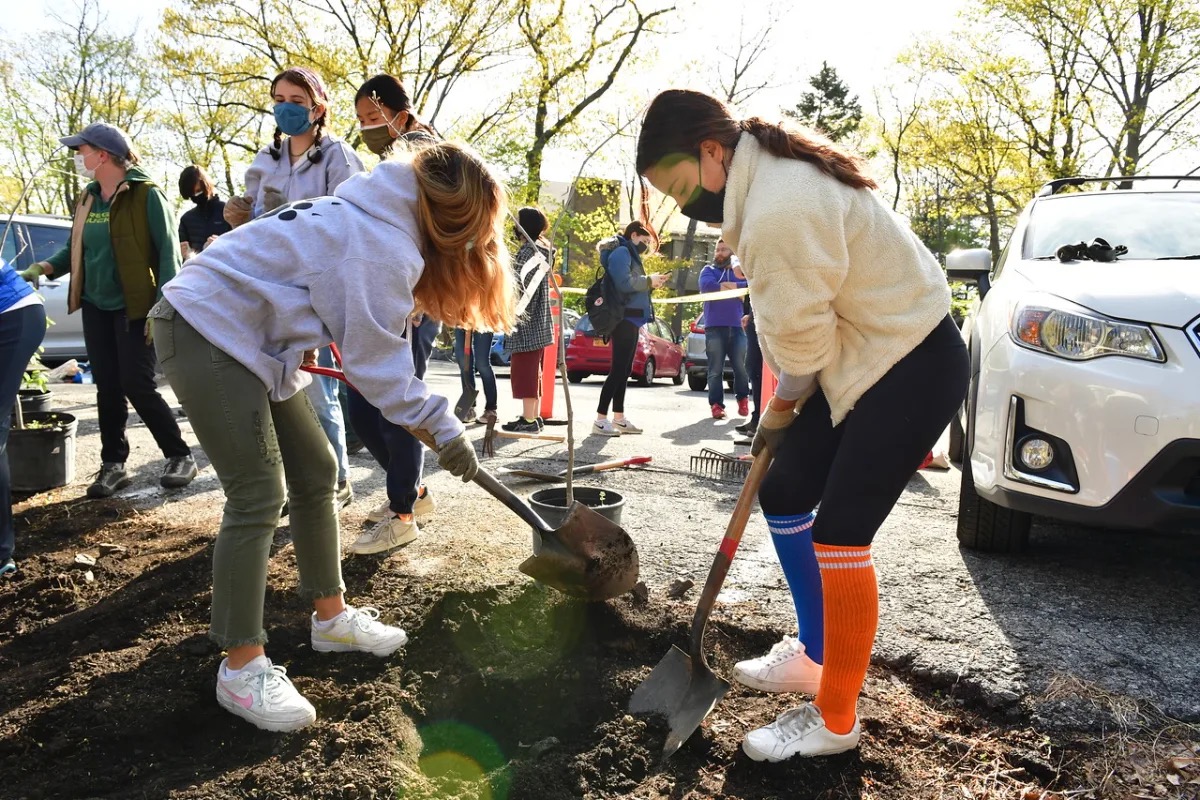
{"x": 678, "y": 120}
{"x": 809, "y": 146}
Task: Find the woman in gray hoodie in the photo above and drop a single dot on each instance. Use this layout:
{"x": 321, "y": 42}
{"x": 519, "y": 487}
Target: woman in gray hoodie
{"x": 422, "y": 234}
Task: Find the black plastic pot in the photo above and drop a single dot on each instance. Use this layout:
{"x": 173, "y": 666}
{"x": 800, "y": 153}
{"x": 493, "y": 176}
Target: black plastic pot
{"x": 34, "y": 401}
{"x": 551, "y": 504}
{"x": 41, "y": 455}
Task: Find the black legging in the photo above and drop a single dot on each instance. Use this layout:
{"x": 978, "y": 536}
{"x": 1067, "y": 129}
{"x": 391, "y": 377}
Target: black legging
{"x": 624, "y": 345}
{"x": 858, "y": 470}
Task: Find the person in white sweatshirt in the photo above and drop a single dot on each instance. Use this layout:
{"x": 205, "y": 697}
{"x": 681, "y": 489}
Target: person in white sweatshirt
{"x": 853, "y": 317}
{"x": 422, "y": 233}
{"x": 308, "y": 163}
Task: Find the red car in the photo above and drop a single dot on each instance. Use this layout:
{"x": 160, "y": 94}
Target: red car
{"x": 657, "y": 354}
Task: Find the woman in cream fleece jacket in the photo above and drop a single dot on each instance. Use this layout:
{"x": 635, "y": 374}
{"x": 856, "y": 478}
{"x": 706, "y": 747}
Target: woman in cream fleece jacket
{"x": 853, "y": 317}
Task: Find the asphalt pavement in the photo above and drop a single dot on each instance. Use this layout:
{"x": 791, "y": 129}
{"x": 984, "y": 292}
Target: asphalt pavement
{"x": 1084, "y": 613}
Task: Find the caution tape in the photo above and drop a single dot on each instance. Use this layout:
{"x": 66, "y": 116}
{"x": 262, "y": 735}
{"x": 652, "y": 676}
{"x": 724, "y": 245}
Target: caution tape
{"x": 726, "y": 294}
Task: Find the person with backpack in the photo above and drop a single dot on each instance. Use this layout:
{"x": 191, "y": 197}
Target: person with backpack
{"x": 629, "y": 288}
{"x": 852, "y": 312}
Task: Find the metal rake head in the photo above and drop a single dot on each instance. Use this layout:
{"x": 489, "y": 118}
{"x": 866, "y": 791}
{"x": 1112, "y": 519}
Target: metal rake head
{"x": 711, "y": 464}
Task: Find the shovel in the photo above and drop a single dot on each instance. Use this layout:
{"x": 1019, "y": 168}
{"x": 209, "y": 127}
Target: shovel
{"x": 588, "y": 556}
{"x": 682, "y": 687}
{"x": 561, "y": 477}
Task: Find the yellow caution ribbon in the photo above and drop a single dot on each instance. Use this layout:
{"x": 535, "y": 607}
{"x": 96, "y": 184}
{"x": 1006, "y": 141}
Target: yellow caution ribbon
{"x": 725, "y": 294}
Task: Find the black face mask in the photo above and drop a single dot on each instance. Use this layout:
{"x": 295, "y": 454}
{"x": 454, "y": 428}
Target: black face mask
{"x": 705, "y": 206}
{"x": 200, "y": 198}
{"x": 641, "y": 247}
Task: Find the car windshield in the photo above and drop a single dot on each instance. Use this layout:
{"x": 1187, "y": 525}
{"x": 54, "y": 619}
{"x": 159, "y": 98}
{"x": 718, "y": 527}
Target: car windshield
{"x": 1152, "y": 225}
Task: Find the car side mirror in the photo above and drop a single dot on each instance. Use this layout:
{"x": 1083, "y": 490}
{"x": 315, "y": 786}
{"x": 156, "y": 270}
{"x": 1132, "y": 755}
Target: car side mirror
{"x": 971, "y": 266}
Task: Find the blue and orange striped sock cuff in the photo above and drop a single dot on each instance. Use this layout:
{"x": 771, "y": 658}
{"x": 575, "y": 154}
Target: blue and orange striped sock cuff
{"x": 792, "y": 524}
{"x": 842, "y": 557}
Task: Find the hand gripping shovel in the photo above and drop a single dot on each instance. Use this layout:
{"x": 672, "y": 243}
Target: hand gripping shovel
{"x": 682, "y": 687}
{"x": 587, "y": 556}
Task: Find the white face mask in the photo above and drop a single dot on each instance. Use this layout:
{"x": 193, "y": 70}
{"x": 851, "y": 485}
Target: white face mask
{"x": 81, "y": 167}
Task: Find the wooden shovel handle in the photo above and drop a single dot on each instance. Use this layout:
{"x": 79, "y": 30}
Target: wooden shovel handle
{"x": 615, "y": 464}
{"x": 724, "y": 557}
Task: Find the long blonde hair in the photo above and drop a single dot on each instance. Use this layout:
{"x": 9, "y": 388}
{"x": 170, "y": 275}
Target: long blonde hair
{"x": 461, "y": 208}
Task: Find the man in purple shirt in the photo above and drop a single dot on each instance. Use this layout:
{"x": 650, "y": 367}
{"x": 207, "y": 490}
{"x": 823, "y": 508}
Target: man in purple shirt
{"x": 723, "y": 333}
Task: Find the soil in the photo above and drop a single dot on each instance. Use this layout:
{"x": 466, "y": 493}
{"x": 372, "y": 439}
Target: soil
{"x": 106, "y": 681}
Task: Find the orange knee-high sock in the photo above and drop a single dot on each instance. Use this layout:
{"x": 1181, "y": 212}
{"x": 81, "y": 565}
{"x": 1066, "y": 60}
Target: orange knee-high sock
{"x": 851, "y": 616}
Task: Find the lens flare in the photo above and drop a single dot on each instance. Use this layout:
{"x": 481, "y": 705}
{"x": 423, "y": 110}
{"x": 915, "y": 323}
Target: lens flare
{"x": 454, "y": 754}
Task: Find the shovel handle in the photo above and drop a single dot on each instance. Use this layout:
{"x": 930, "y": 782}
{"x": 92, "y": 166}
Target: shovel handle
{"x": 606, "y": 465}
{"x": 724, "y": 557}
{"x": 486, "y": 481}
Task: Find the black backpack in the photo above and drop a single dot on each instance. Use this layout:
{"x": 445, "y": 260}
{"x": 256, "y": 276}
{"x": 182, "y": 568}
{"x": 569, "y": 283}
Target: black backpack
{"x": 604, "y": 302}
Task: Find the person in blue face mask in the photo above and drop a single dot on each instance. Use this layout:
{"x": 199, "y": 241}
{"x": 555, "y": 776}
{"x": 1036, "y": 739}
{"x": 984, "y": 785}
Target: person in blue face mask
{"x": 308, "y": 163}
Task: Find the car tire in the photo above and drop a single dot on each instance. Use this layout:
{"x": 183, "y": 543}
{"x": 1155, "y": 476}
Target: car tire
{"x": 697, "y": 383}
{"x": 647, "y": 377}
{"x": 679, "y": 376}
{"x": 958, "y": 441}
{"x": 576, "y": 377}
{"x": 985, "y": 526}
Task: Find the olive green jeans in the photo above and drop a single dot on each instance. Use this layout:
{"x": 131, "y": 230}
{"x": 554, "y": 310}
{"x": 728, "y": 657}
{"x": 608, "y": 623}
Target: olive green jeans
{"x": 254, "y": 446}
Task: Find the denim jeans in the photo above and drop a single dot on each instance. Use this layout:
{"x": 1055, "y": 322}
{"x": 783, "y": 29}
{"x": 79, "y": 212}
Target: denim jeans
{"x": 721, "y": 341}
{"x": 392, "y": 447}
{"x": 255, "y": 445}
{"x": 21, "y": 332}
{"x": 323, "y": 394}
{"x": 481, "y": 361}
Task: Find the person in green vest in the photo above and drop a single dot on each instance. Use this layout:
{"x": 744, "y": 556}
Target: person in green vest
{"x": 122, "y": 249}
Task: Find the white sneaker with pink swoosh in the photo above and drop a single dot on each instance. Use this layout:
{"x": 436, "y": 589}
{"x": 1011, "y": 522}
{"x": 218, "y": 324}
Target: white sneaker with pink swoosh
{"x": 357, "y": 630}
{"x": 262, "y": 694}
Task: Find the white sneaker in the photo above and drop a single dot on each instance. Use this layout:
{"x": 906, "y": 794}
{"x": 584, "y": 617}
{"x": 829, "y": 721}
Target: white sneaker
{"x": 424, "y": 506}
{"x": 605, "y": 428}
{"x": 798, "y": 732}
{"x": 385, "y": 535}
{"x": 262, "y": 694}
{"x": 381, "y": 513}
{"x": 787, "y": 668}
{"x": 357, "y": 630}
{"x": 625, "y": 426}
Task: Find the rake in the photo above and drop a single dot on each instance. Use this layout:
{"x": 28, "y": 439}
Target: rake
{"x": 711, "y": 464}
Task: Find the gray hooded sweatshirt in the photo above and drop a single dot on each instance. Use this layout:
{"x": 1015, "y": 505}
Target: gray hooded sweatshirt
{"x": 331, "y": 269}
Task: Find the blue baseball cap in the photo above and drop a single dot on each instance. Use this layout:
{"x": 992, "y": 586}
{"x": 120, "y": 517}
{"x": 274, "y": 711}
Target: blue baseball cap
{"x": 103, "y": 136}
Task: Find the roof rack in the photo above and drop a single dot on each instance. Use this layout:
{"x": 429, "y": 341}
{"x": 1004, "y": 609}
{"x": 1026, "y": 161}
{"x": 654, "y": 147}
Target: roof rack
{"x": 1053, "y": 187}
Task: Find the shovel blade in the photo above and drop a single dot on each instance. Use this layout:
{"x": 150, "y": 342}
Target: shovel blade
{"x": 587, "y": 556}
{"x": 681, "y": 690}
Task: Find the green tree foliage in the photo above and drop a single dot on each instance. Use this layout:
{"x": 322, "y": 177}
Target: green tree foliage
{"x": 829, "y": 108}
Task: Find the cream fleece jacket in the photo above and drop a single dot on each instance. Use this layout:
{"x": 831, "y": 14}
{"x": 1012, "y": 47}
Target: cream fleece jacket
{"x": 841, "y": 286}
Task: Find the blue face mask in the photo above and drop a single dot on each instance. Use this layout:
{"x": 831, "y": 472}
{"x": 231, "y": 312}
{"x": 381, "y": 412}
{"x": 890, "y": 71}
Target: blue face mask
{"x": 292, "y": 118}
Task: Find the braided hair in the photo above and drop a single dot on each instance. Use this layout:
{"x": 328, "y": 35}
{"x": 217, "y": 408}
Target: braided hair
{"x": 310, "y": 81}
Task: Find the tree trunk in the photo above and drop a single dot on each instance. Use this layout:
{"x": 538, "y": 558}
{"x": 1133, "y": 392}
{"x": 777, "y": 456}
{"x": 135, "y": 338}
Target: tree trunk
{"x": 689, "y": 243}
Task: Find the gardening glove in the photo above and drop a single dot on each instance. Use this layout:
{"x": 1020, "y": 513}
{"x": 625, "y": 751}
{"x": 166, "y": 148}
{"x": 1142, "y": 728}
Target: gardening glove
{"x": 272, "y": 199}
{"x": 457, "y": 457}
{"x": 32, "y": 274}
{"x": 238, "y": 210}
{"x": 772, "y": 427}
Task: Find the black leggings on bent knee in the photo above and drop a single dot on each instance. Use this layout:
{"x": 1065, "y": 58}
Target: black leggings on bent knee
{"x": 857, "y": 470}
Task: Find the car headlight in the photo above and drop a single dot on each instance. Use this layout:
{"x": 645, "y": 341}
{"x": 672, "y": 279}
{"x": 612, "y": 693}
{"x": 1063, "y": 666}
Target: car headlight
{"x": 1078, "y": 336}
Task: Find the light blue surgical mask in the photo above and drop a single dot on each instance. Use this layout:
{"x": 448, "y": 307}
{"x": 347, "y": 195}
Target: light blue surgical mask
{"x": 292, "y": 118}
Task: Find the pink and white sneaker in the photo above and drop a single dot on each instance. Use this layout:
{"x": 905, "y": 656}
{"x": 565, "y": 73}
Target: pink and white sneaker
{"x": 262, "y": 694}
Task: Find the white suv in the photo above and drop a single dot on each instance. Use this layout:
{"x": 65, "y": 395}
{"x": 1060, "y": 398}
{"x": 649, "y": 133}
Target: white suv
{"x": 1084, "y": 401}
